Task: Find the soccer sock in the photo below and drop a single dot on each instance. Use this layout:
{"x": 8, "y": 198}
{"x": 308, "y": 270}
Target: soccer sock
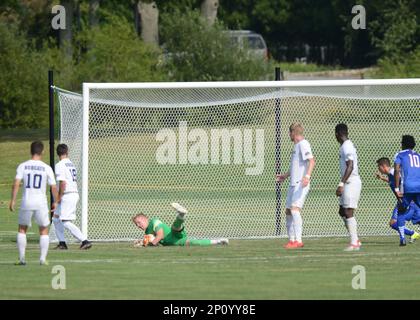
{"x": 407, "y": 232}
{"x": 202, "y": 242}
{"x": 44, "y": 242}
{"x": 75, "y": 231}
{"x": 290, "y": 227}
{"x": 297, "y": 224}
{"x": 59, "y": 229}
{"x": 179, "y": 220}
{"x": 401, "y": 226}
{"x": 345, "y": 222}
{"x": 352, "y": 227}
{"x": 21, "y": 244}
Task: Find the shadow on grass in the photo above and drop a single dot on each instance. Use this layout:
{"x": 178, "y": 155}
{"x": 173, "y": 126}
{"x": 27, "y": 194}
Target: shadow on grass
{"x": 21, "y": 135}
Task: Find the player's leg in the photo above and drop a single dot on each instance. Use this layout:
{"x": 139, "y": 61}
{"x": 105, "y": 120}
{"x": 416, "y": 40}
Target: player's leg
{"x": 43, "y": 221}
{"x": 44, "y": 242}
{"x": 394, "y": 225}
{"x": 206, "y": 242}
{"x": 25, "y": 217}
{"x": 178, "y": 224}
{"x": 68, "y": 215}
{"x": 298, "y": 199}
{"x": 21, "y": 244}
{"x": 289, "y": 220}
{"x": 349, "y": 201}
{"x": 59, "y": 231}
{"x": 75, "y": 232}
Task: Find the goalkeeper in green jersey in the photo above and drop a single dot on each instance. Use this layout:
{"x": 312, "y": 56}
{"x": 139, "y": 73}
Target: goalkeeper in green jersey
{"x": 170, "y": 236}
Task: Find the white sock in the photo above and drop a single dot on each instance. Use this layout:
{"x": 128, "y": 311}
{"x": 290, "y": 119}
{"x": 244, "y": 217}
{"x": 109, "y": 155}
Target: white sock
{"x": 59, "y": 229}
{"x": 290, "y": 227}
{"x": 75, "y": 231}
{"x": 352, "y": 227}
{"x": 297, "y": 223}
{"x": 44, "y": 242}
{"x": 21, "y": 244}
{"x": 345, "y": 222}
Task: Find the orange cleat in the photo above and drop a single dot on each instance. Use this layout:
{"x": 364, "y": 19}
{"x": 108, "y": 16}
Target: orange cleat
{"x": 290, "y": 245}
{"x": 298, "y": 244}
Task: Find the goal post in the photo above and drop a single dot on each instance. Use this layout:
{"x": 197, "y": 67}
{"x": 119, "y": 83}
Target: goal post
{"x": 212, "y": 147}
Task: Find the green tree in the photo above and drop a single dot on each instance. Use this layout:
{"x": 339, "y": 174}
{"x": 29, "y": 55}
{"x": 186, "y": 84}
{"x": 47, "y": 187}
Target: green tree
{"x": 199, "y": 52}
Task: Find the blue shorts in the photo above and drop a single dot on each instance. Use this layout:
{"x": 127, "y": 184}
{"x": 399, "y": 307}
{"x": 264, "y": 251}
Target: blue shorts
{"x": 410, "y": 197}
{"x": 412, "y": 214}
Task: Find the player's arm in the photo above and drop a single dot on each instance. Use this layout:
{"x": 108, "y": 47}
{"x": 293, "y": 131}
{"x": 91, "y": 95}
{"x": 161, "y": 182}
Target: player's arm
{"x": 347, "y": 173}
{"x": 15, "y": 190}
{"x": 282, "y": 177}
{"x": 381, "y": 177}
{"x": 56, "y": 197}
{"x": 307, "y": 177}
{"x": 397, "y": 171}
{"x": 61, "y": 189}
{"x": 159, "y": 236}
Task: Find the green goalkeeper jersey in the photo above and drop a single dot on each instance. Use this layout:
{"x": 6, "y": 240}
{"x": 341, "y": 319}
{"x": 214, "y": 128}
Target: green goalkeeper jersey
{"x": 170, "y": 237}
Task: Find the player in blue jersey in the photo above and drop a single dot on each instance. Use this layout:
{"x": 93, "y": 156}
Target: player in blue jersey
{"x": 386, "y": 173}
{"x": 407, "y": 172}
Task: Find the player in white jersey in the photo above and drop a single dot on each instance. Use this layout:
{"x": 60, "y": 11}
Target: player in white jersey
{"x": 350, "y": 186}
{"x": 67, "y": 202}
{"x": 302, "y": 164}
{"x": 35, "y": 175}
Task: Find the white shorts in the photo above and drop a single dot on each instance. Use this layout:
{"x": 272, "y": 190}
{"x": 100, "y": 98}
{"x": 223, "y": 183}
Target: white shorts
{"x": 41, "y": 217}
{"x": 351, "y": 194}
{"x": 296, "y": 196}
{"x": 67, "y": 207}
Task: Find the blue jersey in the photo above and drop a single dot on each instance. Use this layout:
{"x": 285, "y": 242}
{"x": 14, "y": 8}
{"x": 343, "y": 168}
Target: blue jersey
{"x": 410, "y": 170}
{"x": 391, "y": 180}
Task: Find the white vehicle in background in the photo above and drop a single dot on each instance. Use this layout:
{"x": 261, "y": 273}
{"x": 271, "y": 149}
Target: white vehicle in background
{"x": 251, "y": 41}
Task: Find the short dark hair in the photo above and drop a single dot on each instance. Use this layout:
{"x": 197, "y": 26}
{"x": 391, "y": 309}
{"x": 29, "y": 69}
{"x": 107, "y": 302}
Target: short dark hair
{"x": 62, "y": 149}
{"x": 37, "y": 147}
{"x": 383, "y": 161}
{"x": 342, "y": 129}
{"x": 408, "y": 142}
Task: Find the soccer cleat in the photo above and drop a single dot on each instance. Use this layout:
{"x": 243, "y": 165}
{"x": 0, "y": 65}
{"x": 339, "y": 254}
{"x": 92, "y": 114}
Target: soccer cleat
{"x": 403, "y": 243}
{"x": 86, "y": 245}
{"x": 353, "y": 247}
{"x": 224, "y": 241}
{"x": 43, "y": 263}
{"x": 180, "y": 209}
{"x": 299, "y": 244}
{"x": 61, "y": 246}
{"x": 20, "y": 263}
{"x": 414, "y": 237}
{"x": 290, "y": 245}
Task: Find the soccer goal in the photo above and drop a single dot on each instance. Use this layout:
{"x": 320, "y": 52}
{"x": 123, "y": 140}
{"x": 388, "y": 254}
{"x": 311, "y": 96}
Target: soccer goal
{"x": 215, "y": 147}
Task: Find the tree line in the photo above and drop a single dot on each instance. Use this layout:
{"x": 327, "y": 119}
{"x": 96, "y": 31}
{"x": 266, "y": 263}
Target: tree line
{"x": 183, "y": 40}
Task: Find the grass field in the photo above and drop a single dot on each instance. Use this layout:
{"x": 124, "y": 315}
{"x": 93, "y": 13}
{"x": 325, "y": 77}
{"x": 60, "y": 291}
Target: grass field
{"x": 246, "y": 269}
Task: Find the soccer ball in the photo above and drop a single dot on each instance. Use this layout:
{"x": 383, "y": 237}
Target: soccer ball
{"x": 147, "y": 239}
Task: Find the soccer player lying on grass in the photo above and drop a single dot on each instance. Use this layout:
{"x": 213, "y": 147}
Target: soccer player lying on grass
{"x": 407, "y": 168}
{"x": 384, "y": 167}
{"x": 169, "y": 236}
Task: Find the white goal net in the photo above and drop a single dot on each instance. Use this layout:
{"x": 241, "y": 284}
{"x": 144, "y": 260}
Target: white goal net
{"x": 213, "y": 147}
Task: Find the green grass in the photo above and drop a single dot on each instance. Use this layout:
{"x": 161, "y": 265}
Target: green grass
{"x": 246, "y": 269}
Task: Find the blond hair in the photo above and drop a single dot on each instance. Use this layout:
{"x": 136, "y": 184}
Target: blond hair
{"x": 296, "y": 128}
{"x": 134, "y": 218}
